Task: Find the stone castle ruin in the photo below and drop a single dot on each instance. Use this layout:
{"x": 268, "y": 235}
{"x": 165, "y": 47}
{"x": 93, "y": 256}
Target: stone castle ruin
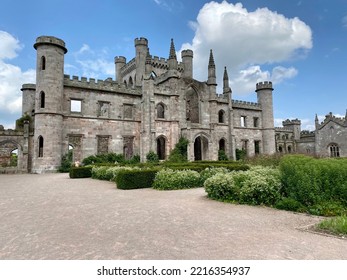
{"x": 151, "y": 103}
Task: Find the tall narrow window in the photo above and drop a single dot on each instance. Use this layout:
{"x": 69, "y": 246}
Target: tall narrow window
{"x": 255, "y": 122}
{"x": 40, "y": 146}
{"x": 221, "y": 116}
{"x": 43, "y": 63}
{"x": 257, "y": 147}
{"x": 243, "y": 121}
{"x": 42, "y": 99}
{"x": 160, "y": 111}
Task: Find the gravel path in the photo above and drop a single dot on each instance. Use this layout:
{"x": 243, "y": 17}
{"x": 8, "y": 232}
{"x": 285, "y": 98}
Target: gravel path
{"x": 53, "y": 217}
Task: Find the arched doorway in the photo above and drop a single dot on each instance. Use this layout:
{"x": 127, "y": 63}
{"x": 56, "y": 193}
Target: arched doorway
{"x": 161, "y": 150}
{"x": 200, "y": 148}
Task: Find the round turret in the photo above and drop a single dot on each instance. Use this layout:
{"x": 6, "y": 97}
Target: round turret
{"x": 28, "y": 99}
{"x": 141, "y": 46}
{"x": 187, "y": 60}
{"x": 119, "y": 61}
{"x": 49, "y": 103}
{"x": 264, "y": 95}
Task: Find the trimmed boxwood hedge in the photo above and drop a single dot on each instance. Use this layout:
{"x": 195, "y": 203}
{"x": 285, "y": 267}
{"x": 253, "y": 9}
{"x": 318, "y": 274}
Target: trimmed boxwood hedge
{"x": 135, "y": 179}
{"x": 81, "y": 172}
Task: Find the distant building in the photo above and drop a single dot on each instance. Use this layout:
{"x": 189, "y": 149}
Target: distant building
{"x": 328, "y": 140}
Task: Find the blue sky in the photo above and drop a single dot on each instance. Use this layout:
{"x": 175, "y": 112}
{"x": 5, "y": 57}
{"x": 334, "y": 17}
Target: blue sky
{"x": 300, "y": 45}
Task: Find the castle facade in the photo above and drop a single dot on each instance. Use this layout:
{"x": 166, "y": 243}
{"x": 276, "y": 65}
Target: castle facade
{"x": 149, "y": 105}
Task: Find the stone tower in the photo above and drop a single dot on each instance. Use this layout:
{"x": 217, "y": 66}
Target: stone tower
{"x": 264, "y": 96}
{"x": 119, "y": 61}
{"x": 48, "y": 103}
{"x": 187, "y": 59}
{"x": 141, "y": 46}
{"x": 295, "y": 126}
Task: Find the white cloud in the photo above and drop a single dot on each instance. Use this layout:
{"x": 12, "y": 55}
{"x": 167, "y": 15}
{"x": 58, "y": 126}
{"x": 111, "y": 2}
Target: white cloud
{"x": 244, "y": 40}
{"x": 11, "y": 79}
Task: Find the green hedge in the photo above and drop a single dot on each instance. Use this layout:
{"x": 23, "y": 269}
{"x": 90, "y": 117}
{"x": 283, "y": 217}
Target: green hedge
{"x": 81, "y": 172}
{"x": 135, "y": 179}
{"x": 313, "y": 181}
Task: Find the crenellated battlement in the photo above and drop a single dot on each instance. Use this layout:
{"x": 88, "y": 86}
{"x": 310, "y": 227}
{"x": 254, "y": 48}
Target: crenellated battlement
{"x": 120, "y": 59}
{"x": 307, "y": 133}
{"x": 264, "y": 85}
{"x": 96, "y": 84}
{"x": 246, "y": 104}
{"x": 291, "y": 122}
{"x": 141, "y": 41}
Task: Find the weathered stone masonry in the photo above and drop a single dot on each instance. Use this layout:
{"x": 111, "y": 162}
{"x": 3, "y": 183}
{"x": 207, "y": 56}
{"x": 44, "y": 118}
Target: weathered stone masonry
{"x": 151, "y": 103}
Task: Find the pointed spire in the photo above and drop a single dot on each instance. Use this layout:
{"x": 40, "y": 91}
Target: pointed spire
{"x": 172, "y": 51}
{"x": 225, "y": 76}
{"x": 211, "y": 80}
{"x": 211, "y": 61}
{"x": 316, "y": 119}
{"x": 226, "y": 88}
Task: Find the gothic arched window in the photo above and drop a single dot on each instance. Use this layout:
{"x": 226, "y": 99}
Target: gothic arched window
{"x": 43, "y": 63}
{"x": 334, "y": 150}
{"x": 221, "y": 116}
{"x": 160, "y": 111}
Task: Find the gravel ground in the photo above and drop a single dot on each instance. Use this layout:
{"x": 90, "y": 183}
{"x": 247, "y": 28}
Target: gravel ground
{"x": 50, "y": 216}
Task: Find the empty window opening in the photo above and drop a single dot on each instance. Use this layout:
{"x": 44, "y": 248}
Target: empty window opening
{"x": 40, "y": 146}
{"x": 221, "y": 117}
{"x": 43, "y": 63}
{"x": 131, "y": 84}
{"x": 222, "y": 145}
{"x": 42, "y": 99}
{"x": 243, "y": 121}
{"x": 76, "y": 106}
{"x": 161, "y": 151}
{"x": 257, "y": 147}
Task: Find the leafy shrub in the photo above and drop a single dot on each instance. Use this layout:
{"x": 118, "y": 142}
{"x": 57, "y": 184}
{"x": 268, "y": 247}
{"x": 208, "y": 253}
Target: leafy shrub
{"x": 168, "y": 179}
{"x": 222, "y": 155}
{"x": 259, "y": 185}
{"x": 290, "y": 204}
{"x": 210, "y": 171}
{"x": 222, "y": 187}
{"x": 179, "y": 153}
{"x": 66, "y": 162}
{"x": 81, "y": 172}
{"x": 152, "y": 157}
{"x": 240, "y": 154}
{"x": 328, "y": 209}
{"x": 265, "y": 160}
{"x": 135, "y": 179}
